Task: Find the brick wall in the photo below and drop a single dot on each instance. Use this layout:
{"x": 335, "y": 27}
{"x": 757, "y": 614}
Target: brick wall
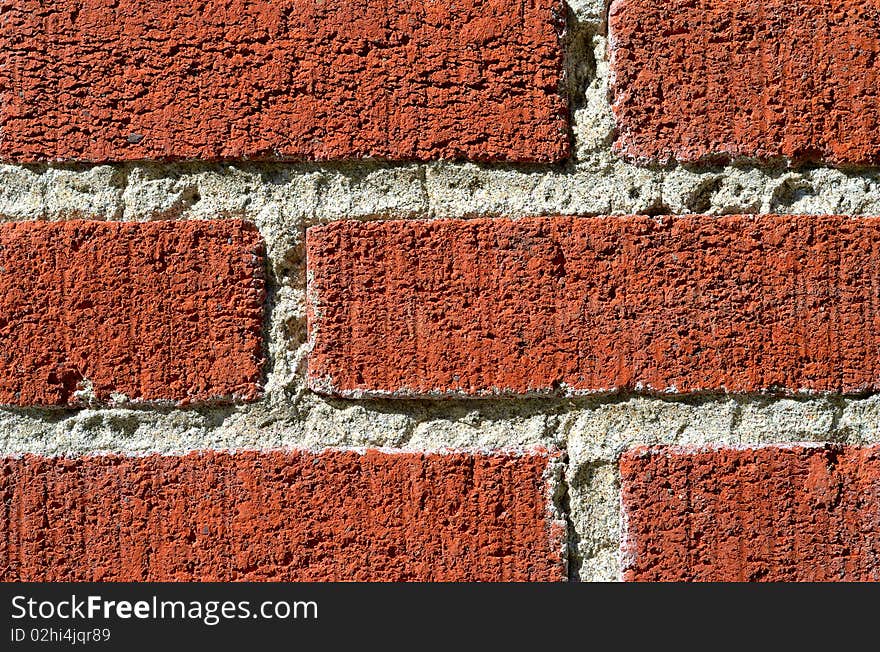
{"x": 475, "y": 290}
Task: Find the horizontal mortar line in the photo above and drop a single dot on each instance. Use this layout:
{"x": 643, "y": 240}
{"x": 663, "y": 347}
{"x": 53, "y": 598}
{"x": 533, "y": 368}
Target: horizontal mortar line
{"x": 608, "y": 454}
{"x": 556, "y": 453}
{"x": 308, "y": 222}
{"x": 177, "y": 171}
{"x": 430, "y": 205}
{"x": 508, "y": 451}
{"x": 512, "y": 451}
{"x": 533, "y": 404}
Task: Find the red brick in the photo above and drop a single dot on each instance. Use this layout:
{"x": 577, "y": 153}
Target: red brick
{"x": 101, "y": 80}
{"x": 772, "y": 514}
{"x": 158, "y": 311}
{"x": 497, "y": 306}
{"x": 278, "y": 516}
{"x": 718, "y": 79}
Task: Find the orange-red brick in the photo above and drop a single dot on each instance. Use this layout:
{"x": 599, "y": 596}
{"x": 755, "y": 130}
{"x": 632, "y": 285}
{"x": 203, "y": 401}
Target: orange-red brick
{"x": 719, "y": 79}
{"x": 102, "y": 80}
{"x": 156, "y": 311}
{"x": 281, "y": 516}
{"x": 498, "y": 306}
{"x": 771, "y": 514}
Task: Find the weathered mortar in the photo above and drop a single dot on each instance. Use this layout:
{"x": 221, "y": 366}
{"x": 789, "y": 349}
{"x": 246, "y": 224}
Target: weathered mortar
{"x": 283, "y": 200}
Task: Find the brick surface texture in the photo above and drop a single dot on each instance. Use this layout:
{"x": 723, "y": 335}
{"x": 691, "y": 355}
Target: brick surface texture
{"x": 770, "y": 514}
{"x": 108, "y": 80}
{"x": 487, "y": 306}
{"x": 278, "y": 516}
{"x": 158, "y": 311}
{"x": 719, "y": 79}
{"x": 242, "y": 240}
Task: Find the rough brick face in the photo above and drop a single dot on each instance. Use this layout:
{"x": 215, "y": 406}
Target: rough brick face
{"x": 278, "y": 516}
{"x": 480, "y": 307}
{"x": 773, "y": 514}
{"x": 290, "y": 79}
{"x": 719, "y": 79}
{"x": 158, "y": 311}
